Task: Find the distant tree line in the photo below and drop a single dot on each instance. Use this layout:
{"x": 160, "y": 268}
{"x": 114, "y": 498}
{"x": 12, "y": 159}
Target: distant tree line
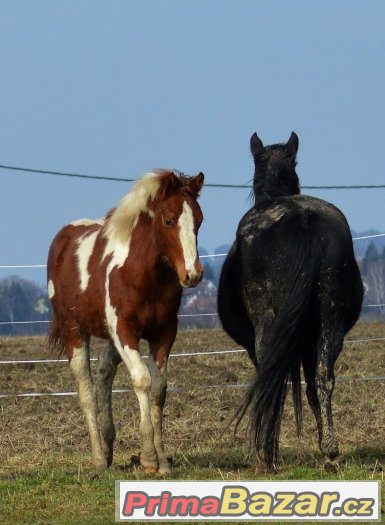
{"x": 373, "y": 275}
{"x": 23, "y": 300}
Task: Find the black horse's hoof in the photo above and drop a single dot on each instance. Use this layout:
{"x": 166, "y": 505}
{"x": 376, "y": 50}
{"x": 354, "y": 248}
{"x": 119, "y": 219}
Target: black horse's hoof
{"x": 333, "y": 465}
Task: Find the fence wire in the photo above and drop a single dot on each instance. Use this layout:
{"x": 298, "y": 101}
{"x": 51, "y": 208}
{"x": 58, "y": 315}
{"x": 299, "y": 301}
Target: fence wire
{"x": 186, "y": 354}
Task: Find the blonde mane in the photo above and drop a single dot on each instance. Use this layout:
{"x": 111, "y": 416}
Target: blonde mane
{"x": 121, "y": 222}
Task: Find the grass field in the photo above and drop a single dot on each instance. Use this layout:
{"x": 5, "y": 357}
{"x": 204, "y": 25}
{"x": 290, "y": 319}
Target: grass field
{"x": 45, "y": 470}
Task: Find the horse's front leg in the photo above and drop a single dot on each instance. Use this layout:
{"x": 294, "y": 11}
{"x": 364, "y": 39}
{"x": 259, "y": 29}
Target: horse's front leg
{"x": 157, "y": 398}
{"x": 141, "y": 381}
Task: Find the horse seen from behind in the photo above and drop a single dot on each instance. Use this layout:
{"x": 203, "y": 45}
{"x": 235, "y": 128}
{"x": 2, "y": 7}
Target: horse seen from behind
{"x": 289, "y": 291}
{"x": 120, "y": 278}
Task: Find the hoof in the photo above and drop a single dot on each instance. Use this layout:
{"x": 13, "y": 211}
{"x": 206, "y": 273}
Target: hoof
{"x": 94, "y": 475}
{"x": 264, "y": 469}
{"x": 100, "y": 464}
{"x": 148, "y": 467}
{"x": 164, "y": 470}
{"x": 333, "y": 465}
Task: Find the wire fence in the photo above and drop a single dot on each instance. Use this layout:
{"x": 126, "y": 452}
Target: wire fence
{"x": 184, "y": 355}
{"x": 207, "y": 184}
{"x": 182, "y": 316}
{"x": 26, "y": 395}
{"x": 206, "y": 256}
{"x": 177, "y": 389}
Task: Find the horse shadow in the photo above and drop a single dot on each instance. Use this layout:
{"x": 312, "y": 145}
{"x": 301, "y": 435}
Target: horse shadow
{"x": 295, "y": 463}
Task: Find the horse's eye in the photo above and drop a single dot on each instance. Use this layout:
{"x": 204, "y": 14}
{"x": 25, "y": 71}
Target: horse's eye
{"x": 169, "y": 222}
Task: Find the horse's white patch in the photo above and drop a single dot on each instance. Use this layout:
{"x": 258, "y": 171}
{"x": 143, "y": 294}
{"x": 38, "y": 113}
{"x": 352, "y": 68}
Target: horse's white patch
{"x": 51, "y": 289}
{"x": 187, "y": 237}
{"x": 80, "y": 361}
{"x": 88, "y": 222}
{"x": 86, "y": 246}
{"x": 118, "y": 230}
{"x": 119, "y": 253}
{"x": 141, "y": 380}
{"x": 111, "y": 317}
{"x": 139, "y": 372}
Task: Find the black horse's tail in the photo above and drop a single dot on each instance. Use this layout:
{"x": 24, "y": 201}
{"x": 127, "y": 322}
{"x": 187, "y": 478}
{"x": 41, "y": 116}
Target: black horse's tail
{"x": 282, "y": 349}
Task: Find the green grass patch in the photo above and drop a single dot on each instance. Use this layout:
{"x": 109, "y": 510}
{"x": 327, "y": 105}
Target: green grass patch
{"x": 63, "y": 490}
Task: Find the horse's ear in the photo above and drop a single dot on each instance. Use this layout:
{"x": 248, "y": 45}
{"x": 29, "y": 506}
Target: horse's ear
{"x": 256, "y": 145}
{"x": 196, "y": 184}
{"x": 169, "y": 185}
{"x": 292, "y": 144}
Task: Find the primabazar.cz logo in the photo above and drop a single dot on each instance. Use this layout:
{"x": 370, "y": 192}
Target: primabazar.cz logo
{"x": 247, "y": 500}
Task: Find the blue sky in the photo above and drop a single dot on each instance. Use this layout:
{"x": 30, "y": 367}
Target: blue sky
{"x": 117, "y": 88}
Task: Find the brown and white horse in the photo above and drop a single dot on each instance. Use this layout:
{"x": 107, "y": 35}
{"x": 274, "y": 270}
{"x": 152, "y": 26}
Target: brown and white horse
{"x": 121, "y": 278}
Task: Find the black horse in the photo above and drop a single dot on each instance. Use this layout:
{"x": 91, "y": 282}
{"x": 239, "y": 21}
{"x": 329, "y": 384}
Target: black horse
{"x": 289, "y": 291}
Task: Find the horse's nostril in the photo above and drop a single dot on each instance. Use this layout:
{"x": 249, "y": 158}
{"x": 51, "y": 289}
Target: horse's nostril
{"x": 193, "y": 278}
{"x": 189, "y": 279}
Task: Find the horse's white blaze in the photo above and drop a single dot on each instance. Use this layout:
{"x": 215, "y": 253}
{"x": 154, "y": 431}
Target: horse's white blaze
{"x": 51, "y": 289}
{"x": 86, "y": 246}
{"x": 187, "y": 237}
{"x": 87, "y": 222}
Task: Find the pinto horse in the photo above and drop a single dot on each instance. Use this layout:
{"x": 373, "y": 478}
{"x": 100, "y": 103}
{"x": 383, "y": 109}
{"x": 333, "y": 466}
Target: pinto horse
{"x": 120, "y": 278}
{"x": 289, "y": 290}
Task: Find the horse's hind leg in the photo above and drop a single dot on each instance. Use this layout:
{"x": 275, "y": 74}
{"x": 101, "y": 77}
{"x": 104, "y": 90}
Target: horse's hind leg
{"x": 80, "y": 367}
{"x": 107, "y": 366}
{"x": 328, "y": 348}
{"x": 309, "y": 362}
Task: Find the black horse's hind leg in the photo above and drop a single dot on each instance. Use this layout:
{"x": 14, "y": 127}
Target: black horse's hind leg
{"x": 329, "y": 346}
{"x": 309, "y": 363}
{"x": 107, "y": 366}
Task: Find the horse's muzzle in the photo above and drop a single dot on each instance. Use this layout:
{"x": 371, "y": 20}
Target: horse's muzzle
{"x": 193, "y": 278}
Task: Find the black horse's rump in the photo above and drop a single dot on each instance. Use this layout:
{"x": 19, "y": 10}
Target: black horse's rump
{"x": 289, "y": 290}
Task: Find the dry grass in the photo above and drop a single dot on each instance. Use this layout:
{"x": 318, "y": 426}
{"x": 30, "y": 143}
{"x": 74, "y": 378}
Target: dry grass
{"x": 44, "y": 443}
